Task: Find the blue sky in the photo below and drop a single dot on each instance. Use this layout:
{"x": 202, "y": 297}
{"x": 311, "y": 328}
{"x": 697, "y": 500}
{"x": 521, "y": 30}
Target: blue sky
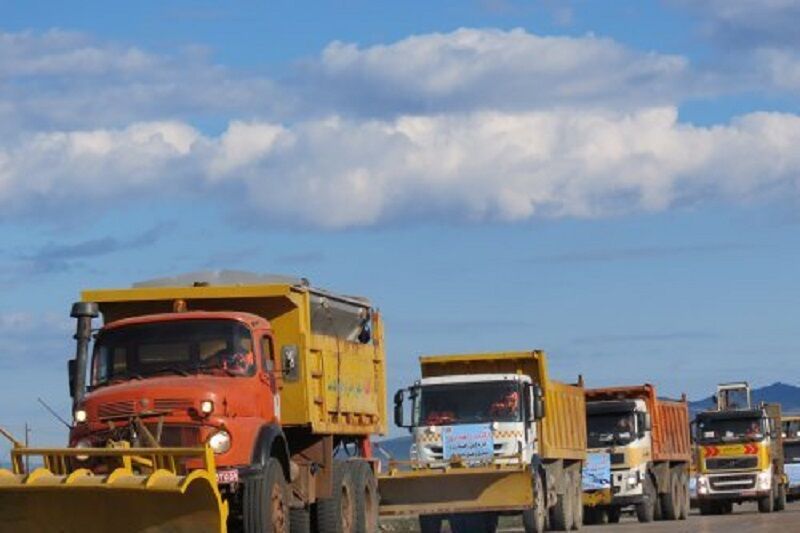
{"x": 614, "y": 182}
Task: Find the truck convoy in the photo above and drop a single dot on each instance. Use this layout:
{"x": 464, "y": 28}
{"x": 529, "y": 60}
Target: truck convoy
{"x": 644, "y": 441}
{"x": 740, "y": 453}
{"x": 791, "y": 455}
{"x": 492, "y": 435}
{"x": 213, "y": 400}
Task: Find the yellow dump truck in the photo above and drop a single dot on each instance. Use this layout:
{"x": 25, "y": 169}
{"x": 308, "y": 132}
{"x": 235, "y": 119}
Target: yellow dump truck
{"x": 213, "y": 400}
{"x": 492, "y": 434}
{"x": 740, "y": 453}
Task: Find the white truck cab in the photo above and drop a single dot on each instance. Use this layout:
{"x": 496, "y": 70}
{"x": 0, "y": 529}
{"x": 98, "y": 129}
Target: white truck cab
{"x": 621, "y": 428}
{"x": 473, "y": 419}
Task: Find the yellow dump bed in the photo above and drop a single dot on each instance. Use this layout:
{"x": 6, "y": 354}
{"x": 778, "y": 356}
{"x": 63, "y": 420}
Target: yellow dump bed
{"x": 339, "y": 386}
{"x": 562, "y": 431}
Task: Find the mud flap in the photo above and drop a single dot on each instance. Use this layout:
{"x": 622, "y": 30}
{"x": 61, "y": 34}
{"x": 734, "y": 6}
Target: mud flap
{"x": 455, "y": 490}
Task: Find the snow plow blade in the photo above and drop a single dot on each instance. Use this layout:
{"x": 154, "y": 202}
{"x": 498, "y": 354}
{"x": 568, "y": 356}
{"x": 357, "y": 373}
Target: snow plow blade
{"x": 455, "y": 490}
{"x": 147, "y": 490}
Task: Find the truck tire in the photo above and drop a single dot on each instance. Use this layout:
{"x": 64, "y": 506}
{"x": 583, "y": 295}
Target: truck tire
{"x": 430, "y": 524}
{"x": 299, "y": 521}
{"x": 686, "y": 503}
{"x": 533, "y": 520}
{"x": 561, "y": 512}
{"x": 646, "y": 509}
{"x": 366, "y": 490}
{"x": 670, "y": 501}
{"x": 577, "y": 502}
{"x": 614, "y": 514}
{"x": 780, "y": 499}
{"x": 766, "y": 504}
{"x": 337, "y": 514}
{"x": 266, "y": 500}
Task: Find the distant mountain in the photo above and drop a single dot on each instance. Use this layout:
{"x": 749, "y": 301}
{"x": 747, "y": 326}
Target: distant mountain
{"x": 397, "y": 448}
{"x": 786, "y": 395}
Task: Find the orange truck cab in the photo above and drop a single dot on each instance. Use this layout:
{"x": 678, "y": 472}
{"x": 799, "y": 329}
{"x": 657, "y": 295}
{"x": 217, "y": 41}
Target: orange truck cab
{"x": 284, "y": 382}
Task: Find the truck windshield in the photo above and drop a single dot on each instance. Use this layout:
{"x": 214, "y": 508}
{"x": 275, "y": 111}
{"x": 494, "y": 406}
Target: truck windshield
{"x": 738, "y": 429}
{"x": 220, "y": 347}
{"x": 469, "y": 403}
{"x": 610, "y": 429}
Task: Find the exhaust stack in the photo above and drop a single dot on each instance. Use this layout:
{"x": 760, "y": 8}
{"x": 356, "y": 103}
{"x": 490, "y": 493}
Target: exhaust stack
{"x": 83, "y": 312}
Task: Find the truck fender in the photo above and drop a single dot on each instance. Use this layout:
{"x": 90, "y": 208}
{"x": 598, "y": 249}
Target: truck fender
{"x": 271, "y": 442}
{"x": 661, "y": 476}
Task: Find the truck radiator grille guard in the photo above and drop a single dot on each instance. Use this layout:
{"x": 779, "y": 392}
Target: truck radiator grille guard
{"x": 731, "y": 463}
{"x": 126, "y": 408}
{"x": 736, "y": 482}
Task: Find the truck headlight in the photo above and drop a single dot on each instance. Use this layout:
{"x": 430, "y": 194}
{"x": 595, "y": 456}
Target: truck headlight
{"x": 633, "y": 479}
{"x": 80, "y": 416}
{"x": 83, "y": 443}
{"x": 220, "y": 441}
{"x": 702, "y": 485}
{"x": 764, "y": 480}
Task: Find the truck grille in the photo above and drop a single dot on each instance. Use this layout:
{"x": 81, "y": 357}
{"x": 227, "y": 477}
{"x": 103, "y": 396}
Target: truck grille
{"x": 731, "y": 463}
{"x": 128, "y": 407}
{"x": 116, "y": 409}
{"x": 172, "y": 404}
{"x": 735, "y": 482}
{"x": 177, "y": 436}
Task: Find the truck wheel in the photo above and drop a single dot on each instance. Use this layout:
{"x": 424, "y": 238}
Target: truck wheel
{"x": 561, "y": 512}
{"x": 337, "y": 514}
{"x": 473, "y": 523}
{"x": 266, "y": 501}
{"x": 614, "y": 514}
{"x": 533, "y": 519}
{"x": 299, "y": 521}
{"x": 430, "y": 524}
{"x": 780, "y": 500}
{"x": 366, "y": 490}
{"x": 766, "y": 504}
{"x": 686, "y": 503}
{"x": 645, "y": 510}
{"x": 577, "y": 502}
{"x": 670, "y": 501}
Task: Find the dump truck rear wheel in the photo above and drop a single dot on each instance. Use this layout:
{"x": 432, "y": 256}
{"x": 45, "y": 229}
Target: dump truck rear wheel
{"x": 645, "y": 510}
{"x": 266, "y": 501}
{"x": 366, "y": 490}
{"x": 670, "y": 501}
{"x": 780, "y": 499}
{"x": 577, "y": 502}
{"x": 533, "y": 520}
{"x": 299, "y": 521}
{"x": 614, "y": 514}
{"x": 337, "y": 514}
{"x": 561, "y": 513}
{"x": 430, "y": 524}
{"x": 686, "y": 503}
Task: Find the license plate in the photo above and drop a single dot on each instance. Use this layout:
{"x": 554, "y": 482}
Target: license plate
{"x": 226, "y": 477}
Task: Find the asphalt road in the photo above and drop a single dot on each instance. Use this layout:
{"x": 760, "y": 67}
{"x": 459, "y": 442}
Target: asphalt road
{"x": 744, "y": 518}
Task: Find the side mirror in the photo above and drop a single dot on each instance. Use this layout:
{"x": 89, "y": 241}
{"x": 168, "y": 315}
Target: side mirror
{"x": 538, "y": 402}
{"x": 72, "y": 370}
{"x": 398, "y": 408}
